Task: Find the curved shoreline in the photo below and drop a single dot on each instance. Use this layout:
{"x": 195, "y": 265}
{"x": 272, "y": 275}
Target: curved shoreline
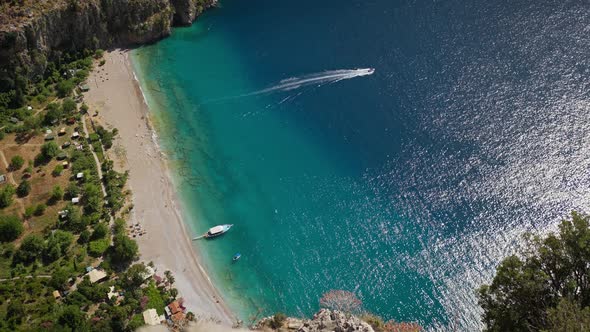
{"x": 117, "y": 95}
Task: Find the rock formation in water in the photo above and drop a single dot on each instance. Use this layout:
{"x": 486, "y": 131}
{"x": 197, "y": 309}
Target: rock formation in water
{"x": 323, "y": 321}
{"x": 33, "y": 32}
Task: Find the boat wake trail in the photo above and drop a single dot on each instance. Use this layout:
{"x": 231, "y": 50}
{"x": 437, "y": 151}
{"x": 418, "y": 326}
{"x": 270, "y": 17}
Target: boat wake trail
{"x": 317, "y": 79}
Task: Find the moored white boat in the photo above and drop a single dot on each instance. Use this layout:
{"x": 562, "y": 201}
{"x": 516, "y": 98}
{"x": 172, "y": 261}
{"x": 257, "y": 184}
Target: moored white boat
{"x": 217, "y": 230}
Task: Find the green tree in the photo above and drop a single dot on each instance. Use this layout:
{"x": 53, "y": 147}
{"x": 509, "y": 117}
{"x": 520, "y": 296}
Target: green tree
{"x": 30, "y": 249}
{"x": 53, "y": 114}
{"x": 48, "y": 151}
{"x": 68, "y": 106}
{"x": 23, "y": 189}
{"x": 100, "y": 231}
{"x": 72, "y": 317}
{"x": 64, "y": 88}
{"x": 16, "y": 163}
{"x": 568, "y": 316}
{"x": 98, "y": 247}
{"x": 58, "y": 245}
{"x": 92, "y": 199}
{"x": 133, "y": 277}
{"x": 528, "y": 290}
{"x": 124, "y": 250}
{"x": 6, "y": 195}
{"x": 73, "y": 220}
{"x": 59, "y": 279}
{"x": 10, "y": 228}
{"x": 15, "y": 312}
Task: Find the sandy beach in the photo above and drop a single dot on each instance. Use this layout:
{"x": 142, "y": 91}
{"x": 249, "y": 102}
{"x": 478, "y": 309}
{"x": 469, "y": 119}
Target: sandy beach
{"x": 116, "y": 95}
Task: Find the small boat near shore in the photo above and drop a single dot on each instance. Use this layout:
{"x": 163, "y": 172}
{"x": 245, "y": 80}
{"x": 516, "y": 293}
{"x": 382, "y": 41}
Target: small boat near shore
{"x": 215, "y": 231}
{"x": 236, "y": 257}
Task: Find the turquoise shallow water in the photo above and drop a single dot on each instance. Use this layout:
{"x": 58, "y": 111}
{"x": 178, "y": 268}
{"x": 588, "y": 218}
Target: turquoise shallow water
{"x": 406, "y": 186}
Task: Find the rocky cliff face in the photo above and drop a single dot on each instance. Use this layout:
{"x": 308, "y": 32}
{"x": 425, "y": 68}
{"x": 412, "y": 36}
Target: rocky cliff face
{"x": 35, "y": 37}
{"x": 323, "y": 321}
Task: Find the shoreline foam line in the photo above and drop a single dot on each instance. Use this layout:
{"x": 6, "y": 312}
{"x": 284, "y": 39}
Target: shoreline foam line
{"x": 157, "y": 205}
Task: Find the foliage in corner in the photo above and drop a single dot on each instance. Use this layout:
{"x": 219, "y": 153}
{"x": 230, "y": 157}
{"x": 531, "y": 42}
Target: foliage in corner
{"x": 547, "y": 287}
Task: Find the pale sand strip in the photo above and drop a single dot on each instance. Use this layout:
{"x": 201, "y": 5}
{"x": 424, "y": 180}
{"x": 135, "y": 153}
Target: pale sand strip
{"x": 167, "y": 242}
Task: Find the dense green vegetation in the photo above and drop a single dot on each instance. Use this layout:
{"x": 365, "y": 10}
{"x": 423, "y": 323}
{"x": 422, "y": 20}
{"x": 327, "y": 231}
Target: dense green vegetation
{"x": 547, "y": 287}
{"x": 36, "y": 262}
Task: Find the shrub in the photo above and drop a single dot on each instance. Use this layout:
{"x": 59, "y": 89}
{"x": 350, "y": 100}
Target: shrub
{"x": 56, "y": 194}
{"x": 40, "y": 209}
{"x": 277, "y": 320}
{"x": 393, "y": 326}
{"x": 84, "y": 237}
{"x": 29, "y": 211}
{"x": 6, "y": 196}
{"x": 10, "y": 228}
{"x": 16, "y": 163}
{"x": 341, "y": 300}
{"x": 57, "y": 170}
{"x": 72, "y": 191}
{"x": 23, "y": 189}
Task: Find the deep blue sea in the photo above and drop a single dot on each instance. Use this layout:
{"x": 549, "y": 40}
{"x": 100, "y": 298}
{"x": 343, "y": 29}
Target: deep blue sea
{"x": 406, "y": 186}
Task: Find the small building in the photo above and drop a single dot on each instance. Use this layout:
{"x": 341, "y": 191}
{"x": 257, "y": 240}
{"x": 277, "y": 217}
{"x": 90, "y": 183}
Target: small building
{"x": 61, "y": 156}
{"x": 29, "y": 108}
{"x": 84, "y": 88}
{"x": 75, "y": 200}
{"x": 49, "y": 137}
{"x": 80, "y": 176}
{"x": 75, "y": 135}
{"x": 2, "y": 178}
{"x": 48, "y": 131}
{"x": 149, "y": 272}
{"x": 96, "y": 275}
{"x": 175, "y": 307}
{"x": 71, "y": 121}
{"x": 65, "y": 164}
{"x": 62, "y": 131}
{"x": 111, "y": 293}
{"x": 66, "y": 145}
{"x": 178, "y": 317}
{"x": 63, "y": 213}
{"x": 13, "y": 120}
{"x": 150, "y": 317}
{"x": 56, "y": 294}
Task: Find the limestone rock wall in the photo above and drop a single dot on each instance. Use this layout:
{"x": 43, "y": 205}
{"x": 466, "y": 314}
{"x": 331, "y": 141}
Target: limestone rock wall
{"x": 79, "y": 24}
